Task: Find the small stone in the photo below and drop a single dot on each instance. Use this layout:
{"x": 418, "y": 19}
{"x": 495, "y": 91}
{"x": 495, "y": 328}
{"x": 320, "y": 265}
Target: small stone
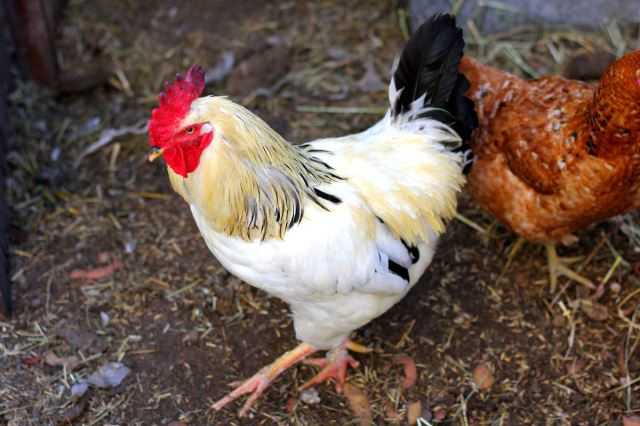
{"x": 310, "y": 396}
{"x": 55, "y": 153}
{"x": 109, "y": 375}
{"x": 130, "y": 246}
{"x": 79, "y": 389}
{"x": 104, "y": 319}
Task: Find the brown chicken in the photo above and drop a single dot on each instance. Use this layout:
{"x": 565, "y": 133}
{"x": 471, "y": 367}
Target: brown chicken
{"x": 553, "y": 156}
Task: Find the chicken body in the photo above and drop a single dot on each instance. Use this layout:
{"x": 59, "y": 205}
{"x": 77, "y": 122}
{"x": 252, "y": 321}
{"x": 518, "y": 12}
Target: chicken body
{"x": 333, "y": 267}
{"x": 339, "y": 228}
{"x": 553, "y": 156}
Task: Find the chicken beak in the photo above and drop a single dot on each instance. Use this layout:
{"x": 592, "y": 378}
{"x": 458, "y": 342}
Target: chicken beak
{"x": 155, "y": 153}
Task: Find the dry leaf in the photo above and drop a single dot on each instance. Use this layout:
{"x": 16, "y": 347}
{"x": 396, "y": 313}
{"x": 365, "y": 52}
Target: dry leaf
{"x": 483, "y": 376}
{"x": 410, "y": 370}
{"x": 359, "y": 403}
{"x": 594, "y": 310}
{"x": 291, "y": 405}
{"x": 414, "y": 410}
{"x": 439, "y": 414}
{"x": 621, "y": 359}
{"x": 74, "y": 412}
{"x": 631, "y": 421}
{"x": 559, "y": 320}
{"x": 81, "y": 339}
{"x": 94, "y": 274}
{"x": 53, "y": 360}
{"x": 391, "y": 413}
{"x": 30, "y": 361}
{"x": 576, "y": 366}
{"x": 103, "y": 257}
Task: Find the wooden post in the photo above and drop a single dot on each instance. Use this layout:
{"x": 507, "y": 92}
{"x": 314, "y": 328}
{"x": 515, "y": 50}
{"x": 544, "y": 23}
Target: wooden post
{"x": 33, "y": 27}
{"x": 5, "y": 284}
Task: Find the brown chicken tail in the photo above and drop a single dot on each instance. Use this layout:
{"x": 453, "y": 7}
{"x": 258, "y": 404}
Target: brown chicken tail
{"x": 482, "y": 77}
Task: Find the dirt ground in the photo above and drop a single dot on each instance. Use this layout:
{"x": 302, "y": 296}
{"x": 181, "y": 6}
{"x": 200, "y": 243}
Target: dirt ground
{"x": 159, "y": 303}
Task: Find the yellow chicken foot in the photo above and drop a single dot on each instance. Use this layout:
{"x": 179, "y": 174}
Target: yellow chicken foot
{"x": 257, "y": 384}
{"x": 557, "y": 268}
{"x": 334, "y": 365}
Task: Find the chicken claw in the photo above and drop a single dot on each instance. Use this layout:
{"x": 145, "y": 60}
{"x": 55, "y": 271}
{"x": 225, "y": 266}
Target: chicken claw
{"x": 557, "y": 268}
{"x": 260, "y": 381}
{"x": 334, "y": 365}
{"x": 557, "y": 265}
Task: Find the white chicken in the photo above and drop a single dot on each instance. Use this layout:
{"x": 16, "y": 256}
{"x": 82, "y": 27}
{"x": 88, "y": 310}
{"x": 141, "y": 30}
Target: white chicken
{"x": 339, "y": 228}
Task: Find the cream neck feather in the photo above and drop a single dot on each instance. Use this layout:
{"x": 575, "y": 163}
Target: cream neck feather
{"x": 250, "y": 182}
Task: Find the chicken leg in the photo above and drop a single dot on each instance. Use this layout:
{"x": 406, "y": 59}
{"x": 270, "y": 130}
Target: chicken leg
{"x": 335, "y": 367}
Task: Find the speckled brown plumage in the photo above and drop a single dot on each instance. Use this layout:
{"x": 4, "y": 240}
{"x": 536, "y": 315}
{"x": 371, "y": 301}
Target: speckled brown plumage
{"x": 555, "y": 155}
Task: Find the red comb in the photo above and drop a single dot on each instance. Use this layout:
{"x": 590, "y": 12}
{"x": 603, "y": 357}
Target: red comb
{"x": 174, "y": 103}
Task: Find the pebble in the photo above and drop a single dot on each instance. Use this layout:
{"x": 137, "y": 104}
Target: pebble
{"x": 310, "y": 396}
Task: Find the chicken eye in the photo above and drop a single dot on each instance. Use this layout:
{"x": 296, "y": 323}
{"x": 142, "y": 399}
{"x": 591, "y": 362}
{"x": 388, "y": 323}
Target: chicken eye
{"x": 189, "y": 130}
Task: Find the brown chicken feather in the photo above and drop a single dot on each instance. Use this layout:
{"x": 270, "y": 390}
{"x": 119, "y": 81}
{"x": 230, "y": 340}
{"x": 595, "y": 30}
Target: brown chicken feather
{"x": 555, "y": 155}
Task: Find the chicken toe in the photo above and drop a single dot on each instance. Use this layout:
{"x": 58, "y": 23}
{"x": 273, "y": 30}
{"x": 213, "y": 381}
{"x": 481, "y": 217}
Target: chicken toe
{"x": 334, "y": 365}
{"x": 260, "y": 381}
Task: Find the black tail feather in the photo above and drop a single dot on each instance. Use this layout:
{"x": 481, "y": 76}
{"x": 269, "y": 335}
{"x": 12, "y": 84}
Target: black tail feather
{"x": 429, "y": 65}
